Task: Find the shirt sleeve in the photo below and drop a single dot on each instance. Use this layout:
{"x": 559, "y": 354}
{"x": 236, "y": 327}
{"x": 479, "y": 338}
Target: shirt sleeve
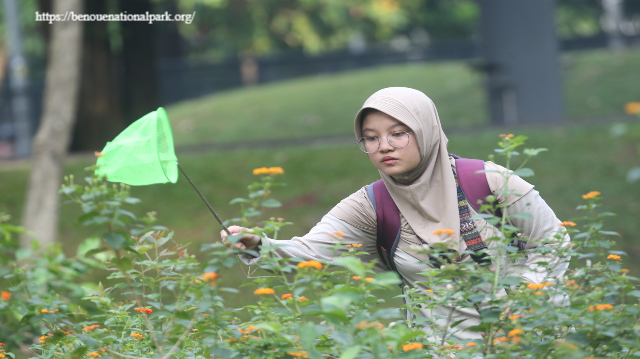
{"x": 541, "y": 230}
{"x": 318, "y": 244}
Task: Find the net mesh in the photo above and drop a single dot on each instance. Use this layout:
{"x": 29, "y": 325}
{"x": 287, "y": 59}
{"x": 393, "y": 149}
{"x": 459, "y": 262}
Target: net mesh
{"x": 142, "y": 154}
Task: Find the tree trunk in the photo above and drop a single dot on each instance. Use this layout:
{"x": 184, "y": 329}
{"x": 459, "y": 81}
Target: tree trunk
{"x": 99, "y": 116}
{"x": 139, "y": 62}
{"x": 52, "y": 139}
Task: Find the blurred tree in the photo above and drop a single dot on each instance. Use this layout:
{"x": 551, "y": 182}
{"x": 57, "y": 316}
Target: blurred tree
{"x": 254, "y": 27}
{"x": 447, "y": 19}
{"x": 40, "y": 215}
{"x": 578, "y": 18}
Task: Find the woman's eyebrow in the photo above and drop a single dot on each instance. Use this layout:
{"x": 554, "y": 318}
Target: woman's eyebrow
{"x": 390, "y": 127}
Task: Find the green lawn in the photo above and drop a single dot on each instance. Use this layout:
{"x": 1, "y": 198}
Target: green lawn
{"x": 582, "y": 158}
{"x": 597, "y": 84}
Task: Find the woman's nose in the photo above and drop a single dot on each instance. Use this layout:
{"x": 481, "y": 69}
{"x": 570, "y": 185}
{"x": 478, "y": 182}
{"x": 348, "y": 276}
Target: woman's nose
{"x": 385, "y": 146}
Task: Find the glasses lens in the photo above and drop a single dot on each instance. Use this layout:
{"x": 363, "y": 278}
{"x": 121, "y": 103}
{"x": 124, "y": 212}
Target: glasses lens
{"x": 398, "y": 139}
{"x": 369, "y": 144}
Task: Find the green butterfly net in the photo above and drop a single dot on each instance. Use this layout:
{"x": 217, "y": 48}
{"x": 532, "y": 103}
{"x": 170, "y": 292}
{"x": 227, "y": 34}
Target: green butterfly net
{"x": 142, "y": 154}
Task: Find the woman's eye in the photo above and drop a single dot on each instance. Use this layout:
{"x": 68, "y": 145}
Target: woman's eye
{"x": 398, "y": 134}
{"x": 371, "y": 138}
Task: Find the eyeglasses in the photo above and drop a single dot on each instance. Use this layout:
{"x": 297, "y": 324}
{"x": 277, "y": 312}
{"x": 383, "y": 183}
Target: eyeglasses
{"x": 371, "y": 144}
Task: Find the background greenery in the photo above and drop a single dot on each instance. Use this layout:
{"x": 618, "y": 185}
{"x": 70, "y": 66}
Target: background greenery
{"x": 583, "y": 155}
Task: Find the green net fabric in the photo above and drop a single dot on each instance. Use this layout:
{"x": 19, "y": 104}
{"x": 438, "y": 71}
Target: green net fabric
{"x": 142, "y": 154}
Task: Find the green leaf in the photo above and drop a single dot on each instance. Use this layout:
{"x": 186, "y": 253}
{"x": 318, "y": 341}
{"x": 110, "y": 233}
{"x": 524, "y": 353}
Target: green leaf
{"x": 524, "y": 172}
{"x": 414, "y": 334}
{"x": 351, "y": 352}
{"x": 239, "y": 200}
{"x": 635, "y": 293}
{"x": 533, "y": 151}
{"x": 132, "y": 200}
{"x": 87, "y": 245}
{"x": 353, "y": 264}
{"x": 88, "y": 341}
{"x": 131, "y": 250}
{"x": 271, "y": 203}
{"x": 115, "y": 239}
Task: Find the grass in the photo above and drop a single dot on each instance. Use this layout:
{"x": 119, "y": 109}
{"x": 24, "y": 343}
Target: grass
{"x": 582, "y": 158}
{"x": 597, "y": 84}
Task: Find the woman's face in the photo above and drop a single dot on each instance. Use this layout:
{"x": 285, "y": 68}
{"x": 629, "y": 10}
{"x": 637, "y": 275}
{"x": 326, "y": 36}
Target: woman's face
{"x": 390, "y": 160}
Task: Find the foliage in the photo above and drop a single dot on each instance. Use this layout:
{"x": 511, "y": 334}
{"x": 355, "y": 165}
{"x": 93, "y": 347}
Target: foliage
{"x": 166, "y": 304}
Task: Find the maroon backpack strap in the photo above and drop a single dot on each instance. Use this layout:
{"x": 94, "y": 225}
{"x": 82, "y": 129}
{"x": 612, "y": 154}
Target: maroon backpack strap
{"x": 474, "y": 185}
{"x": 388, "y": 221}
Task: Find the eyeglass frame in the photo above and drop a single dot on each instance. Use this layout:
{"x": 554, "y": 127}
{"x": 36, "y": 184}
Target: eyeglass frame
{"x": 386, "y": 137}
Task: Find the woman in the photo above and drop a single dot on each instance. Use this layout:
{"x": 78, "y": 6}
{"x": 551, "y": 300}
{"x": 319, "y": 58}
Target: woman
{"x": 400, "y": 131}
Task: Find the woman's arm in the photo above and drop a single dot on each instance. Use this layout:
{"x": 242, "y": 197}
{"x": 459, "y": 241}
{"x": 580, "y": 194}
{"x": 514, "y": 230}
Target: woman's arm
{"x": 540, "y": 231}
{"x": 319, "y": 242}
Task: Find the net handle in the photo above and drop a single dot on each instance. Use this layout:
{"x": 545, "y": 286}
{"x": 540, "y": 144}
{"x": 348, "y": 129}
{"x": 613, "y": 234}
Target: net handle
{"x": 204, "y": 199}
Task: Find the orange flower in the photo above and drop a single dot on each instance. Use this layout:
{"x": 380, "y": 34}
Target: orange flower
{"x": 355, "y": 245}
{"x": 93, "y": 354}
{"x": 412, "y": 346}
{"x": 500, "y": 340}
{"x": 507, "y": 136}
{"x": 285, "y": 296}
{"x": 428, "y": 291}
{"x": 614, "y": 257}
{"x": 310, "y": 264}
{"x": 362, "y": 325}
{"x": 300, "y": 354}
{"x": 136, "y": 335}
{"x": 261, "y": 171}
{"x": 534, "y": 286}
{"x": 90, "y": 328}
{"x": 210, "y": 277}
{"x": 515, "y": 317}
{"x": 356, "y": 277}
{"x": 471, "y": 344}
{"x": 604, "y": 306}
{"x": 452, "y": 346}
{"x": 144, "y": 310}
{"x": 515, "y": 332}
{"x": 567, "y": 224}
{"x": 624, "y": 271}
{"x": 448, "y": 232}
{"x": 302, "y": 299}
{"x": 275, "y": 171}
{"x": 592, "y": 194}
{"x": 263, "y": 291}
{"x": 369, "y": 280}
{"x": 539, "y": 293}
{"x": 5, "y": 295}
{"x": 516, "y": 340}
{"x": 98, "y": 154}
{"x": 632, "y": 108}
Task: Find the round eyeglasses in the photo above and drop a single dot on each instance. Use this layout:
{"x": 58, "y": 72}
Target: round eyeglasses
{"x": 371, "y": 144}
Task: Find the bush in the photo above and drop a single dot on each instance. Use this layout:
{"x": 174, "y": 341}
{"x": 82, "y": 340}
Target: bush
{"x": 167, "y": 304}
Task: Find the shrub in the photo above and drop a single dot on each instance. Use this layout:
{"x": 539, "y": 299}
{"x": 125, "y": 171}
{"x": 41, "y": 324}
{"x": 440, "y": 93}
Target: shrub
{"x": 165, "y": 303}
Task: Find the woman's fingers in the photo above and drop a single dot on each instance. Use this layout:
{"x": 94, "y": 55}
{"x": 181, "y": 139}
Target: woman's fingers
{"x": 245, "y": 239}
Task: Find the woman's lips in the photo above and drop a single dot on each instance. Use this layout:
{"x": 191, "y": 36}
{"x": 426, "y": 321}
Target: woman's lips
{"x": 388, "y": 160}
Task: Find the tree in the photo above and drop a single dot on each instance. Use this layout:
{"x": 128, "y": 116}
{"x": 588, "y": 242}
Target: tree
{"x": 251, "y": 28}
{"x": 52, "y": 139}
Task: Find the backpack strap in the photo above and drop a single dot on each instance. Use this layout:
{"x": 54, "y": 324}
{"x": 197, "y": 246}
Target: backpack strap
{"x": 388, "y": 222}
{"x": 474, "y": 185}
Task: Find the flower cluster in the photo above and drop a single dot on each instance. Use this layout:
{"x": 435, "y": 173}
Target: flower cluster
{"x": 632, "y": 108}
{"x": 412, "y": 346}
{"x": 507, "y": 136}
{"x": 600, "y": 307}
{"x": 614, "y": 257}
{"x": 310, "y": 264}
{"x": 271, "y": 171}
{"x": 210, "y": 277}
{"x": 567, "y": 224}
{"x": 264, "y": 291}
{"x": 591, "y": 195}
{"x": 47, "y": 311}
{"x": 5, "y": 295}
{"x": 136, "y": 336}
{"x": 448, "y": 232}
{"x": 144, "y": 310}
{"x": 90, "y": 328}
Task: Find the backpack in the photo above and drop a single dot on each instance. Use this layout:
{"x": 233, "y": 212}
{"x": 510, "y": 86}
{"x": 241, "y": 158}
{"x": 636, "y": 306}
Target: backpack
{"x": 475, "y": 188}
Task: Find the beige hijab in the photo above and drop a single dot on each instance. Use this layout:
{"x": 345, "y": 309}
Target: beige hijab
{"x": 427, "y": 196}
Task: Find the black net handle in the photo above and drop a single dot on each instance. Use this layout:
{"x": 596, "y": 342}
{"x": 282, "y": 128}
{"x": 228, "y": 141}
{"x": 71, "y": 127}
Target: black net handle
{"x": 205, "y": 200}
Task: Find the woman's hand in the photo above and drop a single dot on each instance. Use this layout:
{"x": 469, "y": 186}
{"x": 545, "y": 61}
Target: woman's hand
{"x": 247, "y": 241}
